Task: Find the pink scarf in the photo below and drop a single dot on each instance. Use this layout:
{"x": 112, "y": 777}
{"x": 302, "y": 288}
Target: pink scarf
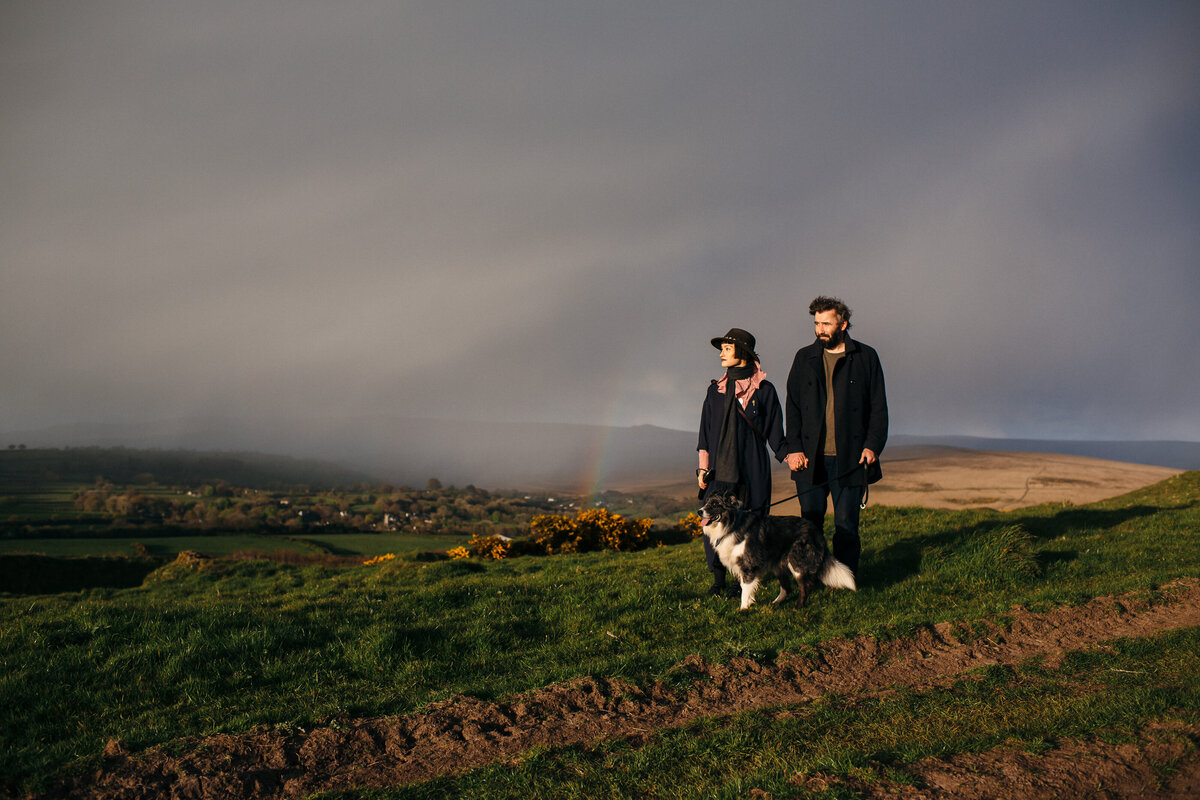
{"x": 744, "y": 389}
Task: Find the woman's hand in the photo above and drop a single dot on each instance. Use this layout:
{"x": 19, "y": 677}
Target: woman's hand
{"x": 796, "y": 461}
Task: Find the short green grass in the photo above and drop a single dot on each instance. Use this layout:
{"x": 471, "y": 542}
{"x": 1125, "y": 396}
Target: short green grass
{"x": 194, "y": 652}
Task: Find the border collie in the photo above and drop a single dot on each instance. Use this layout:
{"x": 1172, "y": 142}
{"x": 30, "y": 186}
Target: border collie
{"x": 752, "y": 546}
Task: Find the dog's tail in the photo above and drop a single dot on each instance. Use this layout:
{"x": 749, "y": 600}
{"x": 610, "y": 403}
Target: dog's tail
{"x": 837, "y": 575}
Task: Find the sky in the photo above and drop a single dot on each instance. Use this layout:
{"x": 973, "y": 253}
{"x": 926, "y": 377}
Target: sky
{"x": 543, "y": 211}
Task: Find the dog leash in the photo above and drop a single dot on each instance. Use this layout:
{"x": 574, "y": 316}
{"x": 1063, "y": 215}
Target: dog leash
{"x": 861, "y": 505}
{"x": 741, "y": 513}
{"x": 759, "y": 434}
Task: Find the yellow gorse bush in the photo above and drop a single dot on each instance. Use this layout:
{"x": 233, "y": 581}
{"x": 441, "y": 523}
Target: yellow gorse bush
{"x": 591, "y": 529}
{"x": 690, "y": 524}
{"x": 554, "y": 533}
{"x": 489, "y": 547}
{"x": 379, "y": 559}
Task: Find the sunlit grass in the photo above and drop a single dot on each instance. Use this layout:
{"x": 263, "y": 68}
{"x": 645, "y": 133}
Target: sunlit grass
{"x": 234, "y": 644}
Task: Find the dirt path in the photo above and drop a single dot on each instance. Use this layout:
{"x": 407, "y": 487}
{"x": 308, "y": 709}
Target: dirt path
{"x": 1075, "y": 769}
{"x": 463, "y": 732}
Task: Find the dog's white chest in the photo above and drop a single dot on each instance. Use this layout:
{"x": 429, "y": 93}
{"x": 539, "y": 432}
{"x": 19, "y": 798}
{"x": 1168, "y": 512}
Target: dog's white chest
{"x": 729, "y": 548}
{"x": 733, "y": 559}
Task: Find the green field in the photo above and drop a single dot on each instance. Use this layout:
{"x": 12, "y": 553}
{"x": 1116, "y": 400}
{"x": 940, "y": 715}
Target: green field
{"x": 163, "y": 546}
{"x": 375, "y": 544}
{"x": 233, "y": 644}
{"x": 224, "y": 544}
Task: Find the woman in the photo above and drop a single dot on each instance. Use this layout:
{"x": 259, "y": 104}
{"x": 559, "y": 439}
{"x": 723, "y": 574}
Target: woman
{"x": 736, "y": 427}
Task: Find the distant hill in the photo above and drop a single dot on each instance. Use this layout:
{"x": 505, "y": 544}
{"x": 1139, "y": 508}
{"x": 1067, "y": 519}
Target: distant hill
{"x": 409, "y": 451}
{"x": 1177, "y": 455}
{"x": 121, "y": 465}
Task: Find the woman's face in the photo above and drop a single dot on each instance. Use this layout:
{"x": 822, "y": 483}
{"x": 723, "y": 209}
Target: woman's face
{"x": 728, "y": 359}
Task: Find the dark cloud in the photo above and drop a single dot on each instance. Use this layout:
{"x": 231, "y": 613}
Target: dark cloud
{"x": 542, "y": 212}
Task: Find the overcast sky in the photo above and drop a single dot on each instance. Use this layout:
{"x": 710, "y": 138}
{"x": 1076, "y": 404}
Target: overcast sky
{"x": 543, "y": 211}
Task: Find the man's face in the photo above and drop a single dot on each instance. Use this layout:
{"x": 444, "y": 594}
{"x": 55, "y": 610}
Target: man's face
{"x": 829, "y": 327}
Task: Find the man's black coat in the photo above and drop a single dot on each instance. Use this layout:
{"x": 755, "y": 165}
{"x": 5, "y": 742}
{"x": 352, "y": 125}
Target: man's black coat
{"x": 860, "y": 412}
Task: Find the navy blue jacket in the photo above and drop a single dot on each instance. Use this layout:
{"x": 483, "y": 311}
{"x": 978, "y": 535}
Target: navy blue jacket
{"x": 753, "y": 461}
{"x": 859, "y": 407}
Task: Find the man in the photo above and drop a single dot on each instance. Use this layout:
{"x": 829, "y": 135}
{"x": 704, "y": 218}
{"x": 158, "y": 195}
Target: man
{"x": 837, "y": 424}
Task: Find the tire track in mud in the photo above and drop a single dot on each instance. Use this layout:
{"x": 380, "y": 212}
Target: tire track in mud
{"x": 462, "y": 733}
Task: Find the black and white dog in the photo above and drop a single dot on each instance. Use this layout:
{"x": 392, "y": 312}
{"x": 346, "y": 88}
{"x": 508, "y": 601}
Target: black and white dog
{"x": 752, "y": 546}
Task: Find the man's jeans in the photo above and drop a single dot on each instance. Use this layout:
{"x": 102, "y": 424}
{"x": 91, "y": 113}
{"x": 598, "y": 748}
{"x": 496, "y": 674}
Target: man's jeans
{"x": 846, "y": 500}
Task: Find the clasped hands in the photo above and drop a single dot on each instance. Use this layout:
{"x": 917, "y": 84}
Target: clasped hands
{"x": 798, "y": 462}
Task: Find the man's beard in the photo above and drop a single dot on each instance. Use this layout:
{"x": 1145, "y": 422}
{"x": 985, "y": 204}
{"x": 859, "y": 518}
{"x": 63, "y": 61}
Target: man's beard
{"x": 835, "y": 339}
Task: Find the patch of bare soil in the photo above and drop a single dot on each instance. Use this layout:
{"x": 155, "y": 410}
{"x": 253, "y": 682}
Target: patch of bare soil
{"x": 1161, "y": 764}
{"x": 951, "y": 478}
{"x": 462, "y": 733}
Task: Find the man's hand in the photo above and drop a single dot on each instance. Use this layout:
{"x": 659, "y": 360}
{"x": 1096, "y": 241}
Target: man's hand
{"x": 796, "y": 461}
{"x": 868, "y": 457}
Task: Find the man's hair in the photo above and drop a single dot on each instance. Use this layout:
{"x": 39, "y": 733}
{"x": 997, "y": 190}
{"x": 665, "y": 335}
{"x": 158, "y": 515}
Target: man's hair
{"x": 823, "y": 303}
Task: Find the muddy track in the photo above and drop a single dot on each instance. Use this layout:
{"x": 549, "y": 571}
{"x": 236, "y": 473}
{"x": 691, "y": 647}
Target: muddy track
{"x": 462, "y": 733}
{"x": 1162, "y": 764}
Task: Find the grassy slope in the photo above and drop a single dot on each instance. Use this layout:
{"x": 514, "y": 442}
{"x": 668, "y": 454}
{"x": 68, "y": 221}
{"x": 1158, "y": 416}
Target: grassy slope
{"x": 220, "y": 649}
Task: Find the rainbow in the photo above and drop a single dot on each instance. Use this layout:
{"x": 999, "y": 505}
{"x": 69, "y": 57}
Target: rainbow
{"x": 598, "y": 460}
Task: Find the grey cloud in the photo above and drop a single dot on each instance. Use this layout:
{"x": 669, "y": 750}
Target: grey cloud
{"x": 529, "y": 211}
